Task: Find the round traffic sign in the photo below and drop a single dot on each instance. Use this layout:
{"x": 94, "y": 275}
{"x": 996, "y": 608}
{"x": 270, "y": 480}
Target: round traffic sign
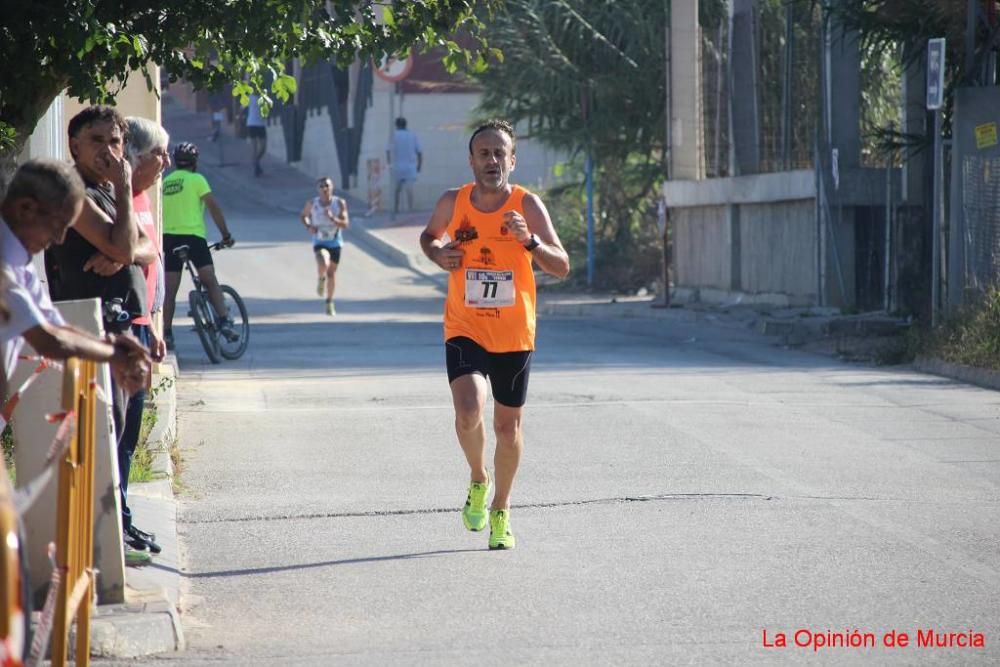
{"x": 394, "y": 69}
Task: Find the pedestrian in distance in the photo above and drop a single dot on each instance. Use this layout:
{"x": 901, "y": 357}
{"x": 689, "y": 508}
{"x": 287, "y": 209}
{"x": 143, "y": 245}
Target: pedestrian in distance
{"x": 186, "y": 197}
{"x": 257, "y": 131}
{"x": 406, "y": 158}
{"x": 326, "y": 217}
{"x": 148, "y": 155}
{"x": 497, "y": 230}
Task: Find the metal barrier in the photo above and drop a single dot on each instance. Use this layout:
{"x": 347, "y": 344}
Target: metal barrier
{"x": 75, "y": 519}
{"x": 72, "y": 583}
{"x": 12, "y": 620}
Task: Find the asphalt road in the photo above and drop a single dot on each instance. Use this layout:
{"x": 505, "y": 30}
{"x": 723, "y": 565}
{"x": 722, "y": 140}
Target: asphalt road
{"x": 684, "y": 490}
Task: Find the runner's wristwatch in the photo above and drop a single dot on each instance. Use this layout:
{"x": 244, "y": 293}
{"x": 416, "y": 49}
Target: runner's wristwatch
{"x": 532, "y": 243}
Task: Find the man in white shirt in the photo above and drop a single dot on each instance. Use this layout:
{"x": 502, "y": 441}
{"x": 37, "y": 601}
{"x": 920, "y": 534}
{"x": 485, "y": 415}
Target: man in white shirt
{"x": 405, "y": 157}
{"x": 42, "y": 203}
{"x": 257, "y": 131}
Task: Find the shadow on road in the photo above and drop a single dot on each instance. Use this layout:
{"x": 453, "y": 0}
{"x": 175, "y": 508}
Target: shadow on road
{"x": 346, "y": 307}
{"x": 327, "y": 563}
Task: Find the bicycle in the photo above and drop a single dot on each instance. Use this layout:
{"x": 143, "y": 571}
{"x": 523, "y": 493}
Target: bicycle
{"x": 219, "y": 343}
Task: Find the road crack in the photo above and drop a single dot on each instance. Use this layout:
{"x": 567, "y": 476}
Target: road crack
{"x": 443, "y": 510}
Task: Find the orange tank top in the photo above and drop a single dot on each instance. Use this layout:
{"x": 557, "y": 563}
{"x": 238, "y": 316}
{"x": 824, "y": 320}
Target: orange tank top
{"x": 491, "y": 299}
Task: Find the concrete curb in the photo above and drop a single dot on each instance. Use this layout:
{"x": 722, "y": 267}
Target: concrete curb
{"x": 981, "y": 377}
{"x": 149, "y": 623}
{"x": 135, "y": 629}
{"x": 640, "y": 308}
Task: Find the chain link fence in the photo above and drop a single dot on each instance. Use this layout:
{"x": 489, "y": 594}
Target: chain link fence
{"x": 786, "y": 39}
{"x": 981, "y": 207}
{"x": 715, "y": 98}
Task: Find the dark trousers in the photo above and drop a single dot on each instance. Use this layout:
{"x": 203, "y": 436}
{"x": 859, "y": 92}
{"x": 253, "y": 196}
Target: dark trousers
{"x": 129, "y": 437}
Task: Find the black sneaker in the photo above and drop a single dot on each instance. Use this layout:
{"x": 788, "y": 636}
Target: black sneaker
{"x": 168, "y": 338}
{"x": 141, "y": 540}
{"x": 132, "y": 530}
{"x": 134, "y": 543}
{"x": 227, "y": 329}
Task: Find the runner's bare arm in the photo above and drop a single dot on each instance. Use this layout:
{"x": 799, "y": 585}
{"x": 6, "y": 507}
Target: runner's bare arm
{"x": 550, "y": 256}
{"x": 447, "y": 256}
{"x": 344, "y": 219}
{"x": 305, "y": 217}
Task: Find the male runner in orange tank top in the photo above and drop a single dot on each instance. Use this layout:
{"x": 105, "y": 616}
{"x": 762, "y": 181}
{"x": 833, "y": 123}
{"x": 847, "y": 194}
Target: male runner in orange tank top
{"x": 495, "y": 231}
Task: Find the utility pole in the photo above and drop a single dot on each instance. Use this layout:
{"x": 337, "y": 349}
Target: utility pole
{"x": 935, "y": 100}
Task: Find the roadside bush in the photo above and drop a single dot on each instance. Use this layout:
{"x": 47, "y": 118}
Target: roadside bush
{"x": 142, "y": 460}
{"x": 626, "y": 256}
{"x": 973, "y": 336}
{"x": 970, "y": 338}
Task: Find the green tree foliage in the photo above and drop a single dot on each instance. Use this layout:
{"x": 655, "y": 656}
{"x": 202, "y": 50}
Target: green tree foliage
{"x": 904, "y": 26}
{"x": 588, "y": 75}
{"x": 88, "y": 47}
{"x": 881, "y": 102}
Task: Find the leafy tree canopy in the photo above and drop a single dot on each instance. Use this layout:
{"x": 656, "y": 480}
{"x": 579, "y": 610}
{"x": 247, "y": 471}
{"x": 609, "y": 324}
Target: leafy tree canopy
{"x": 587, "y": 76}
{"x": 582, "y": 74}
{"x": 88, "y": 47}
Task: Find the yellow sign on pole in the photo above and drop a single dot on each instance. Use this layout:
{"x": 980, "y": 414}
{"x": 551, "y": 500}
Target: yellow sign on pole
{"x": 986, "y": 135}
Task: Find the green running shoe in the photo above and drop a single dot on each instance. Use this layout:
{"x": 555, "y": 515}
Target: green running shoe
{"x": 136, "y": 558}
{"x": 474, "y": 513}
{"x": 500, "y": 535}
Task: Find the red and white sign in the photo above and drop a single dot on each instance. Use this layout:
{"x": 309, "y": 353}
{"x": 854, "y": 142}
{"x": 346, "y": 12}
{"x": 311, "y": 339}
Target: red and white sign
{"x": 394, "y": 69}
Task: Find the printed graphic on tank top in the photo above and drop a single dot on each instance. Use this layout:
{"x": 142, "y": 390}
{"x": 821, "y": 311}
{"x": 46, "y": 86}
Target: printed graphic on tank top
{"x": 491, "y": 299}
{"x": 326, "y": 231}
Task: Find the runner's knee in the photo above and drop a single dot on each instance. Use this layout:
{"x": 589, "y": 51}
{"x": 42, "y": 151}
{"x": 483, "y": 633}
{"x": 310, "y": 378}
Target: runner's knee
{"x": 507, "y": 428}
{"x": 468, "y": 415}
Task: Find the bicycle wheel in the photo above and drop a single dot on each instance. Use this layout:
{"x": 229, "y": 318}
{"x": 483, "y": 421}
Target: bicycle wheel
{"x": 235, "y": 309}
{"x": 204, "y": 324}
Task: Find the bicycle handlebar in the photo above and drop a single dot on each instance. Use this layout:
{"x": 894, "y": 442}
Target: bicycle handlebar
{"x": 219, "y": 245}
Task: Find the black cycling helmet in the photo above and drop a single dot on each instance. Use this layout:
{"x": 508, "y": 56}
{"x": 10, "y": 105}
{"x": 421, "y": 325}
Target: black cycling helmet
{"x": 186, "y": 154}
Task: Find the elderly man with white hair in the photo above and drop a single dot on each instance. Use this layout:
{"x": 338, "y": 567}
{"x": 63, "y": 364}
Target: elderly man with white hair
{"x": 147, "y": 154}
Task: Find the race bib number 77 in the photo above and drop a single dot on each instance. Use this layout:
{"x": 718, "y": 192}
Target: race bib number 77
{"x": 489, "y": 289}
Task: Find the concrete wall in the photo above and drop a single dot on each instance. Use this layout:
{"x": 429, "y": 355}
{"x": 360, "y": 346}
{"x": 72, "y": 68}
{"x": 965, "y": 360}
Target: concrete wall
{"x": 754, "y": 235}
{"x": 778, "y": 248}
{"x": 701, "y": 247}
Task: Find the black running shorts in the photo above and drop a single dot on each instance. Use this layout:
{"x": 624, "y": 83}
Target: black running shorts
{"x": 197, "y": 250}
{"x": 333, "y": 250}
{"x": 507, "y": 371}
